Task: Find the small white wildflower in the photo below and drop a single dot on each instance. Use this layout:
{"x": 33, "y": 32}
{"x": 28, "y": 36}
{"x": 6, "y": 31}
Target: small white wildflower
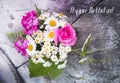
{"x": 54, "y": 58}
{"x": 56, "y": 62}
{"x": 63, "y": 57}
{"x": 34, "y": 60}
{"x": 62, "y": 49}
{"x": 54, "y": 52}
{"x": 55, "y": 48}
{"x": 68, "y": 48}
{"x": 62, "y": 65}
{"x": 43, "y": 52}
{"x": 40, "y": 60}
{"x": 48, "y": 54}
{"x": 47, "y": 64}
{"x": 51, "y": 48}
{"x": 39, "y": 54}
{"x": 29, "y": 38}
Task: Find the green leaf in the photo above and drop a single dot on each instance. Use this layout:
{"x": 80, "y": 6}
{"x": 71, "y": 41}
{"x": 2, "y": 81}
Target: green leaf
{"x": 38, "y": 11}
{"x": 37, "y": 70}
{"x": 85, "y": 46}
{"x": 54, "y": 72}
{"x": 41, "y": 22}
{"x": 14, "y": 36}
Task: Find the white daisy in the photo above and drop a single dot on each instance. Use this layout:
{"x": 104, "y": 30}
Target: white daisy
{"x": 51, "y": 23}
{"x": 49, "y": 35}
{"x": 44, "y": 16}
{"x": 31, "y": 48}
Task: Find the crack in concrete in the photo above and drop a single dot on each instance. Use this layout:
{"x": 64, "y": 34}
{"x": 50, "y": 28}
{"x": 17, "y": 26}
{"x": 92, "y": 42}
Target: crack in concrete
{"x": 22, "y": 64}
{"x": 16, "y": 73}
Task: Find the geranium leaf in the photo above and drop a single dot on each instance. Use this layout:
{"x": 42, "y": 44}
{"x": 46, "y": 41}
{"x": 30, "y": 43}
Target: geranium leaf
{"x": 38, "y": 70}
{"x": 85, "y": 46}
{"x": 54, "y": 72}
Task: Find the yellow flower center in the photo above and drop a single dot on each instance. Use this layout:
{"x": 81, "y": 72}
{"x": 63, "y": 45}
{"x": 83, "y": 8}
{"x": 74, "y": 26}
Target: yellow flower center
{"x": 60, "y": 14}
{"x": 51, "y": 35}
{"x": 37, "y": 41}
{"x": 52, "y": 23}
{"x": 41, "y": 16}
{"x": 30, "y": 47}
{"x": 39, "y": 36}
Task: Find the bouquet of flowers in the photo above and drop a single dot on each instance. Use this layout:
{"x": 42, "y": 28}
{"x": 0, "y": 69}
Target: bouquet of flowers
{"x": 46, "y": 39}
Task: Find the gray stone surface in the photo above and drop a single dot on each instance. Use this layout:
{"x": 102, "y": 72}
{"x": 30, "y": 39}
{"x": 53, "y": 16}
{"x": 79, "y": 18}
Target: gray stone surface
{"x": 5, "y": 70}
{"x": 105, "y": 30}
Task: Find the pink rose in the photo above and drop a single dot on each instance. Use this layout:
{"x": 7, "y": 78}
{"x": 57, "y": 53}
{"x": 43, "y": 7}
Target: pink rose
{"x": 65, "y": 35}
{"x": 21, "y": 46}
{"x": 30, "y": 22}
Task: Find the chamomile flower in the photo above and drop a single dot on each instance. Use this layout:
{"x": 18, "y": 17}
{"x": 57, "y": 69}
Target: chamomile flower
{"x": 29, "y": 38}
{"x": 44, "y": 16}
{"x": 47, "y": 43}
{"x": 37, "y": 34}
{"x": 37, "y": 40}
{"x": 63, "y": 57}
{"x": 56, "y": 62}
{"x": 54, "y": 52}
{"x": 31, "y": 48}
{"x": 39, "y": 54}
{"x": 51, "y": 23}
{"x": 43, "y": 52}
{"x": 54, "y": 58}
{"x": 62, "y": 23}
{"x": 47, "y": 64}
{"x": 61, "y": 66}
{"x": 48, "y": 54}
{"x": 58, "y": 15}
{"x": 68, "y": 48}
{"x": 34, "y": 60}
{"x": 55, "y": 48}
{"x": 40, "y": 60}
{"x": 51, "y": 48}
{"x": 62, "y": 48}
